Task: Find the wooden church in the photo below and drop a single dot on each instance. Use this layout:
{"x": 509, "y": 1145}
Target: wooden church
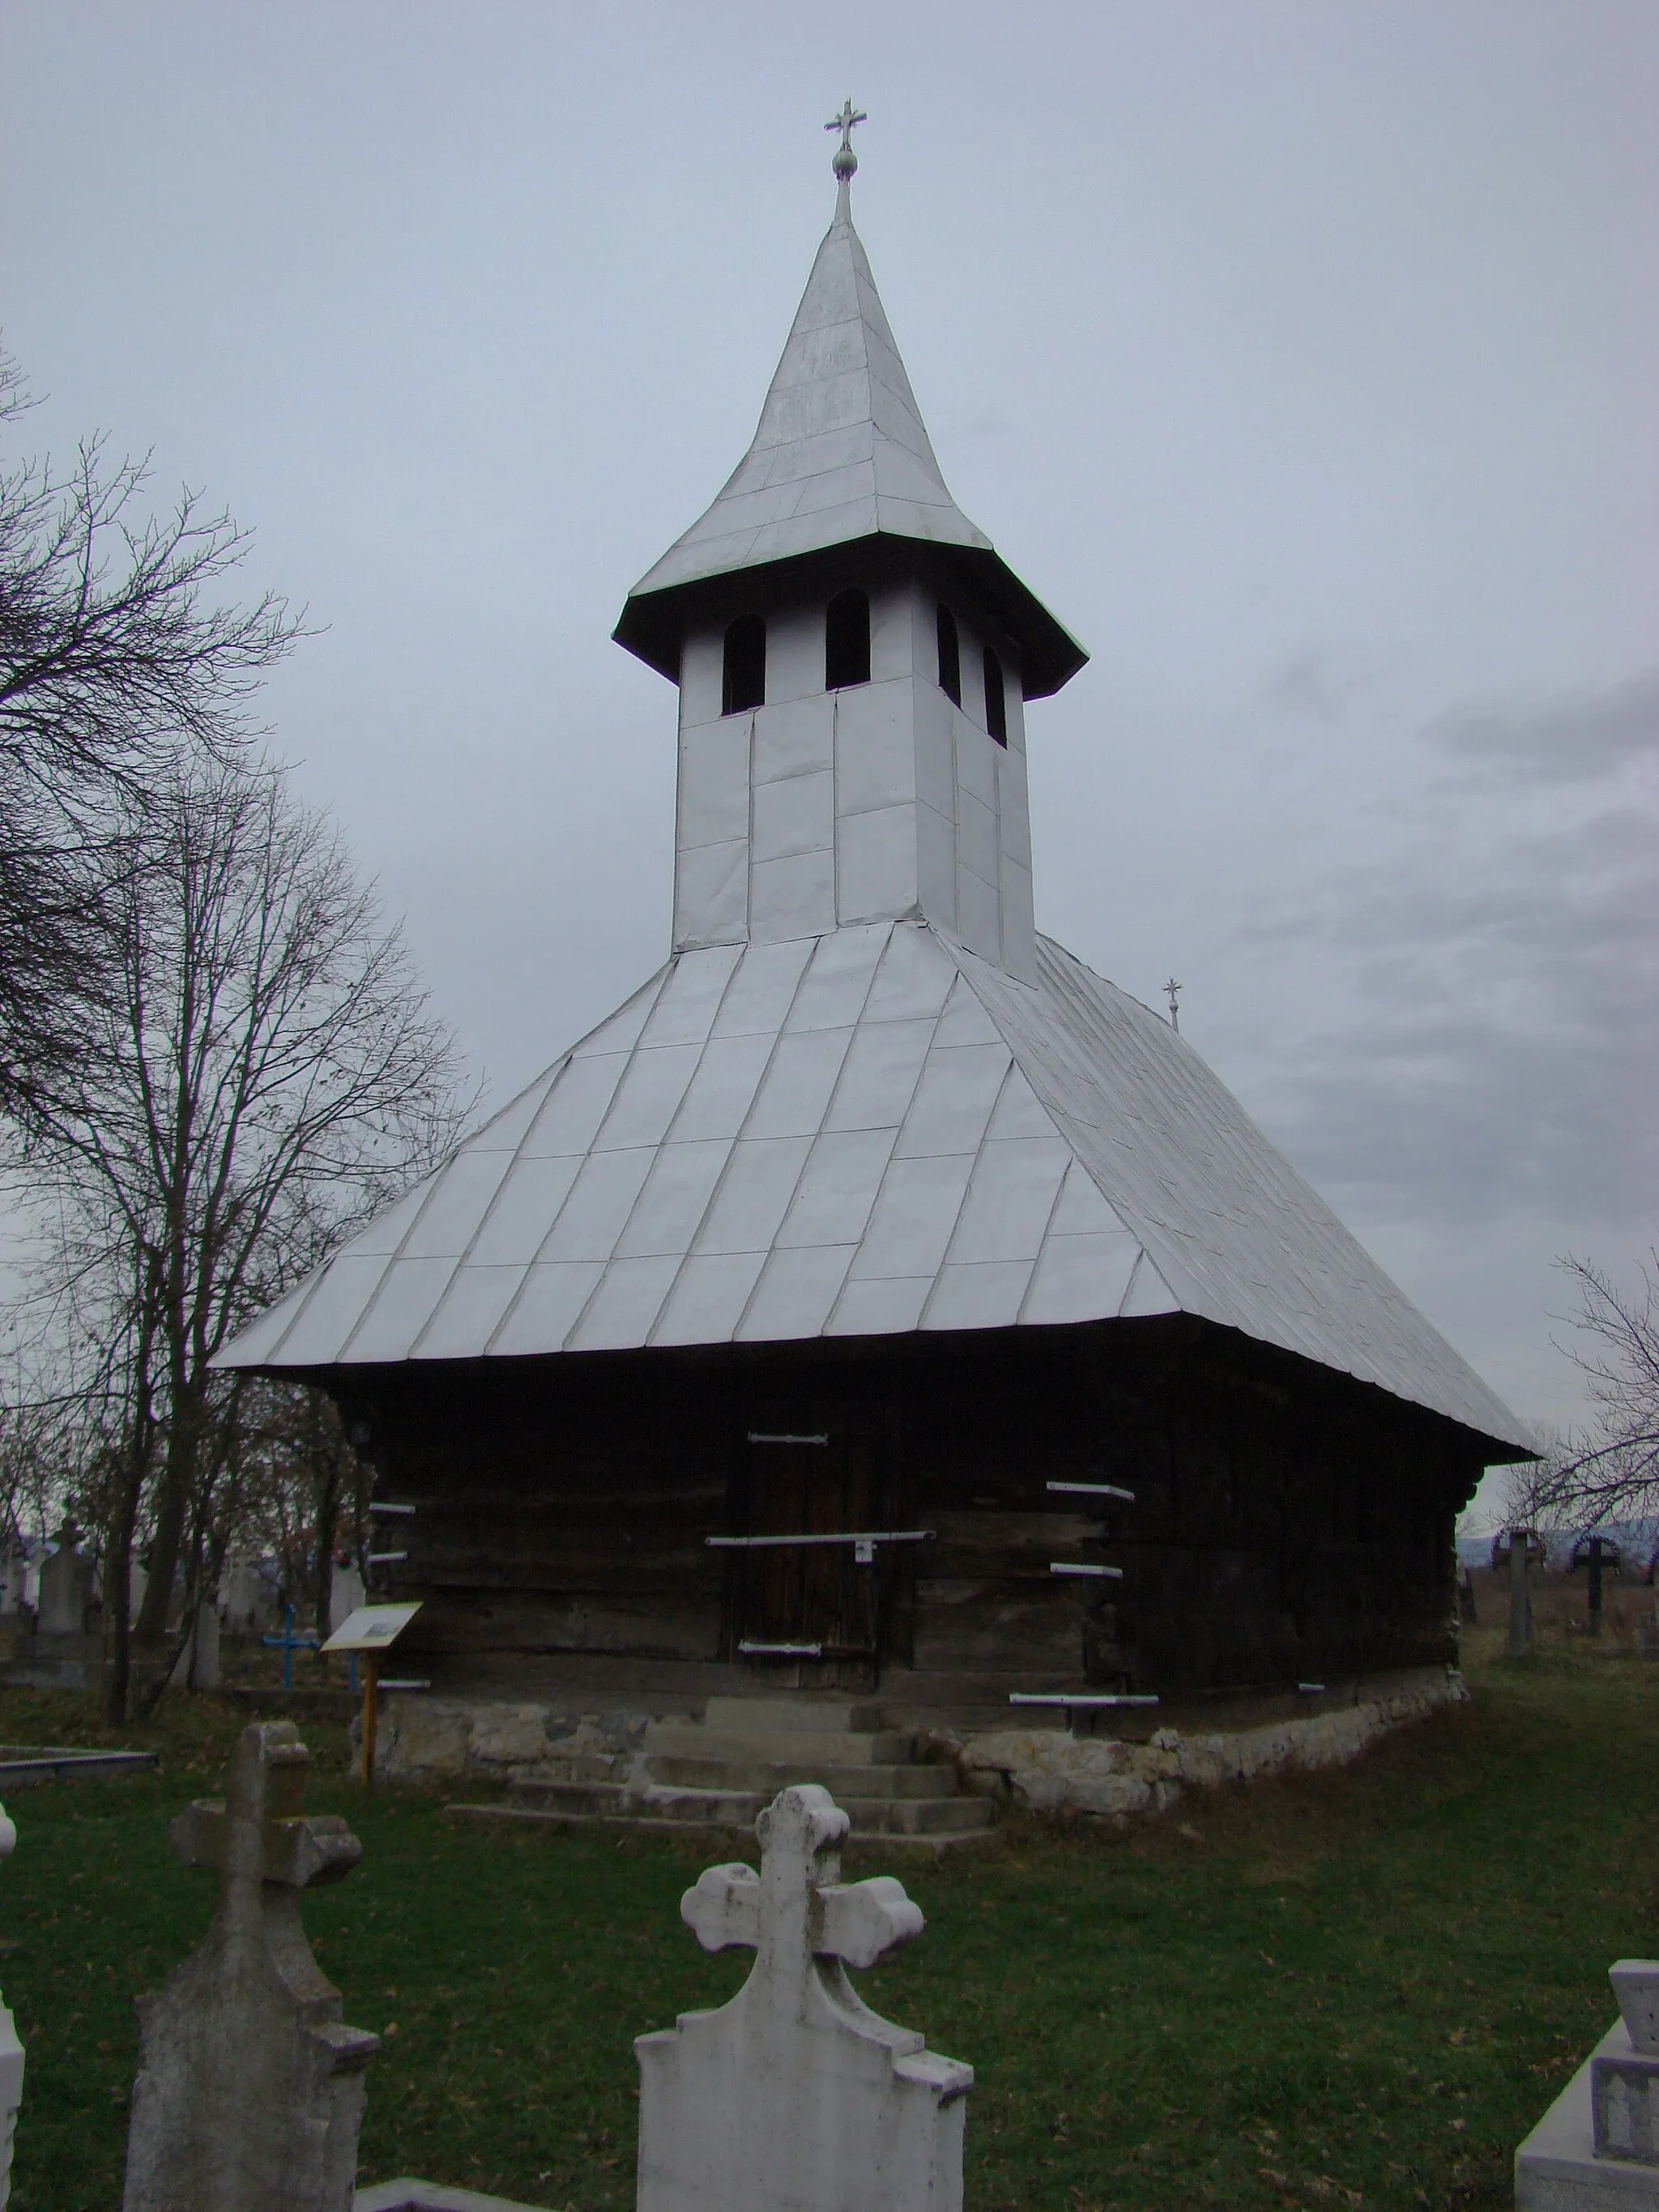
{"x": 879, "y": 1300}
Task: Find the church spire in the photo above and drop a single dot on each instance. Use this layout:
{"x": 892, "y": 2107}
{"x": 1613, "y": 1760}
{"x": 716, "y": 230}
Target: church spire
{"x": 840, "y": 456}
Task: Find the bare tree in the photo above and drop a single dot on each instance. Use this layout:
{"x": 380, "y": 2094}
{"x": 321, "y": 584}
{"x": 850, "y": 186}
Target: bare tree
{"x": 263, "y": 1071}
{"x": 113, "y": 665}
{"x": 1617, "y": 1471}
{"x": 1537, "y": 1493}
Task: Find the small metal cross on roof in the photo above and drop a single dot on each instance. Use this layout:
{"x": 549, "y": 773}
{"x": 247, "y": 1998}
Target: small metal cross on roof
{"x": 1172, "y": 991}
{"x": 846, "y": 160}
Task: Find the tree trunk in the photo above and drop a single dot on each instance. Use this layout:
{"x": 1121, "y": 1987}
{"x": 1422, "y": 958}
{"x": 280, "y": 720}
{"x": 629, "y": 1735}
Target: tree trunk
{"x": 326, "y": 1521}
{"x": 124, "y": 1522}
{"x": 184, "y": 1430}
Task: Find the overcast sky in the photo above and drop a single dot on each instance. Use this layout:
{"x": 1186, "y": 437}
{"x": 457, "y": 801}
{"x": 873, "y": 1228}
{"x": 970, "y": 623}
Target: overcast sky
{"x": 1302, "y": 357}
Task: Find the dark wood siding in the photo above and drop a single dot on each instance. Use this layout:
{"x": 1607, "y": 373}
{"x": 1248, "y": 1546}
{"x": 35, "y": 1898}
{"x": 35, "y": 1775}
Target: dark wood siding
{"x": 1289, "y": 1524}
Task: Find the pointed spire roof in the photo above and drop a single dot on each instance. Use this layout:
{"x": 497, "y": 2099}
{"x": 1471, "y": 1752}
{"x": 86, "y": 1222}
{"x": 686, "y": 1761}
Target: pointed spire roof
{"x": 841, "y": 454}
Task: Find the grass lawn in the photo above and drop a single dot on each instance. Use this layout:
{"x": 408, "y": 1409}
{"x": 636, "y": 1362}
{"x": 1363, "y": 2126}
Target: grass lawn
{"x": 1361, "y": 1987}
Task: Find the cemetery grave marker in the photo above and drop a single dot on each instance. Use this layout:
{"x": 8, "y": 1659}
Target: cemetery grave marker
{"x": 1598, "y": 2144}
{"x": 1523, "y": 1549}
{"x": 11, "y": 2053}
{"x": 249, "y": 2096}
{"x": 796, "y": 2094}
{"x": 66, "y": 1579}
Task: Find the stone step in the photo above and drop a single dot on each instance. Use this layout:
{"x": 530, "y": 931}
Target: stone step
{"x": 739, "y": 1809}
{"x": 793, "y": 1715}
{"x": 864, "y": 1782}
{"x": 700, "y": 1808}
{"x": 860, "y": 1840}
{"x": 917, "y": 1816}
{"x": 778, "y": 1747}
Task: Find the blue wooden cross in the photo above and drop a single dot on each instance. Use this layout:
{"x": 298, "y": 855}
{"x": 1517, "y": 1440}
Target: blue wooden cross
{"x": 287, "y": 1642}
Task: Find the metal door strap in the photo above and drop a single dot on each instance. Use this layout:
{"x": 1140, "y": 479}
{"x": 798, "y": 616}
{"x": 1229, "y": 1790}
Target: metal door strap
{"x": 761, "y": 1436}
{"x": 1094, "y": 1490}
{"x": 1080, "y": 1567}
{"x": 782, "y": 1650}
{"x": 863, "y": 1540}
{"x": 1071, "y": 1698}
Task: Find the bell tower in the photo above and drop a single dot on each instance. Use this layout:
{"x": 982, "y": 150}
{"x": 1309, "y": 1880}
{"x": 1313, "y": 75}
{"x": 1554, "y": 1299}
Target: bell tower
{"x": 853, "y": 660}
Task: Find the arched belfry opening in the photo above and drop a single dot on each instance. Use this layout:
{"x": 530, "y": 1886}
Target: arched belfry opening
{"x": 743, "y": 671}
{"x": 996, "y": 698}
{"x": 949, "y": 657}
{"x": 846, "y": 640}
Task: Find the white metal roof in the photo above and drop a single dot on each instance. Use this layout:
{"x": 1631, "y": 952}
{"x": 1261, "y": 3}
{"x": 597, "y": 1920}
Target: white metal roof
{"x": 840, "y": 451}
{"x": 840, "y": 455}
{"x": 861, "y": 1134}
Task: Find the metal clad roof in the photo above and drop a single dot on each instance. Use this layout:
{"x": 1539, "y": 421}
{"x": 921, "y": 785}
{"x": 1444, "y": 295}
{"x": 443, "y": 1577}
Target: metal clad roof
{"x": 1232, "y": 1230}
{"x": 864, "y": 1133}
{"x": 840, "y": 439}
{"x": 840, "y": 455}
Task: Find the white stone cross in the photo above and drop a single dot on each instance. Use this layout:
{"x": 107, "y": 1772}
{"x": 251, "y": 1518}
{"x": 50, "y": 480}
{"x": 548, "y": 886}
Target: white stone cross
{"x": 796, "y": 2097}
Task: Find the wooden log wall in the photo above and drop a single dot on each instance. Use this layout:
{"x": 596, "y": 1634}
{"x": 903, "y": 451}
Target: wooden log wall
{"x": 1288, "y": 1524}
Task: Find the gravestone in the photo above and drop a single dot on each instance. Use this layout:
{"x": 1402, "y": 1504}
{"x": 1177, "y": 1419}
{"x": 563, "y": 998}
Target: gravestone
{"x": 244, "y": 1595}
{"x": 249, "y": 2096}
{"x": 11, "y": 2054}
{"x": 796, "y": 2095}
{"x": 14, "y": 1582}
{"x": 197, "y": 1667}
{"x": 65, "y": 1587}
{"x": 1523, "y": 1549}
{"x": 1598, "y": 2144}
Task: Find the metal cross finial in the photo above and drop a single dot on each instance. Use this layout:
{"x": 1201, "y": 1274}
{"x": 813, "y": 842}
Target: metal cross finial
{"x": 845, "y": 162}
{"x": 1172, "y": 992}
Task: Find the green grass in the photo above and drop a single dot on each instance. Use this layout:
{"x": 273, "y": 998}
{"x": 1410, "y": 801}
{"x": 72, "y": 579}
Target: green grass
{"x": 1357, "y": 1987}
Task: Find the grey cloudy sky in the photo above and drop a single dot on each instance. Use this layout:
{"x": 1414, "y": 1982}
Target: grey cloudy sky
{"x": 1302, "y": 356}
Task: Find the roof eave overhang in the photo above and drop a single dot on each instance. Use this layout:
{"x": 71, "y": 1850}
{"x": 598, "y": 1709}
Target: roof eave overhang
{"x": 652, "y": 624}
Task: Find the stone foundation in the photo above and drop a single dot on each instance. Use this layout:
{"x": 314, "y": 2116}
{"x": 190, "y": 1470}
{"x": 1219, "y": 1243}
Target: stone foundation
{"x": 1048, "y": 1770}
{"x": 437, "y": 1739}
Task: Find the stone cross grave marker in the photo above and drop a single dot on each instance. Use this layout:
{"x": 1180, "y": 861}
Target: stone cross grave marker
{"x": 11, "y": 2053}
{"x": 796, "y": 2097}
{"x": 1523, "y": 1549}
{"x": 249, "y": 2096}
{"x": 65, "y": 1587}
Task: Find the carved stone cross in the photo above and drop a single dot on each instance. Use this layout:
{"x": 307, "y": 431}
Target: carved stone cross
{"x": 796, "y": 2094}
{"x": 249, "y": 2096}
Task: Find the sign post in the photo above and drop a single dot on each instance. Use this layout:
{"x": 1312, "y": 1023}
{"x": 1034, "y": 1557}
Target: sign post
{"x": 371, "y": 1631}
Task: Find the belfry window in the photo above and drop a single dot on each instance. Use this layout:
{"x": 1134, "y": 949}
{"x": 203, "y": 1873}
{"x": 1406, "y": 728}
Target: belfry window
{"x": 846, "y": 640}
{"x": 742, "y": 676}
{"x": 949, "y": 657}
{"x": 996, "y": 699}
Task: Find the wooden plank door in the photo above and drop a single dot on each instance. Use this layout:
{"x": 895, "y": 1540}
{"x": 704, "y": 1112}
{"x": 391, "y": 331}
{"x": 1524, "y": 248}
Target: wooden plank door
{"x": 801, "y": 1479}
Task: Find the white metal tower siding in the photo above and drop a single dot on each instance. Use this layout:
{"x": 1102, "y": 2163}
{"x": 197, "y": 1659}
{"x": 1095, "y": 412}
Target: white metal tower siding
{"x": 879, "y": 801}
